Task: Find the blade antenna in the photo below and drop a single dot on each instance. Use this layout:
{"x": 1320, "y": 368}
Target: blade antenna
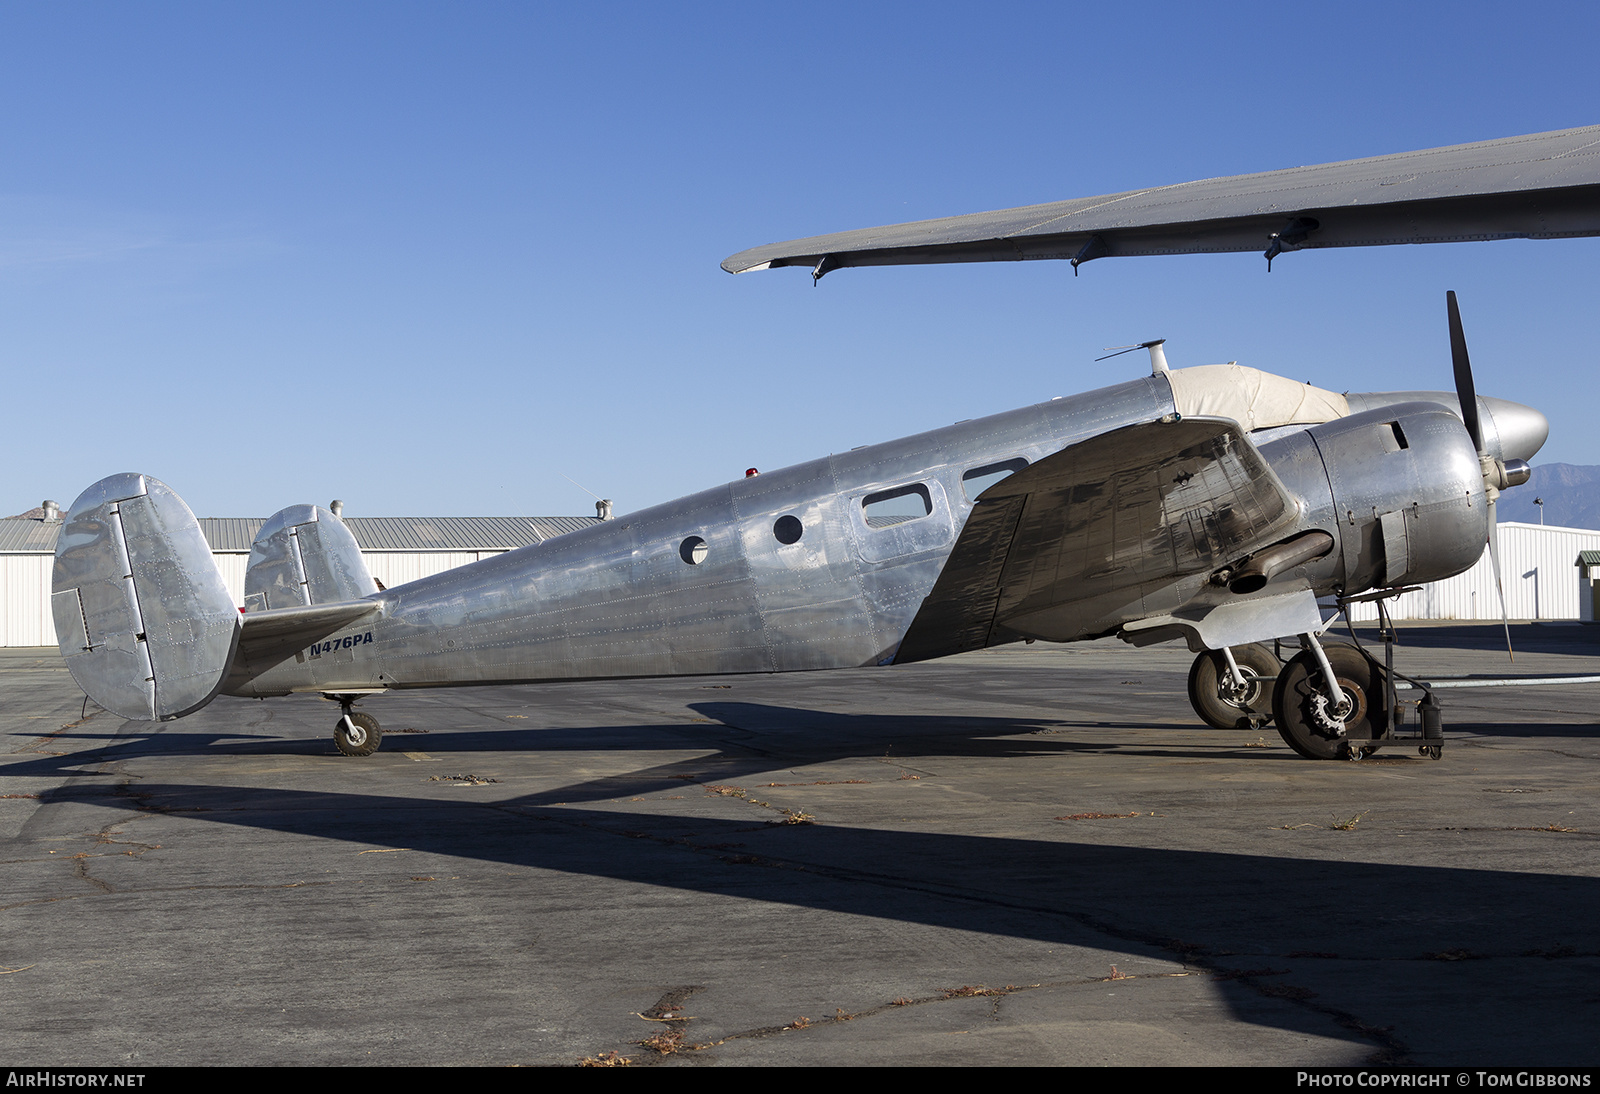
{"x": 1120, "y": 351}
{"x": 1158, "y": 357}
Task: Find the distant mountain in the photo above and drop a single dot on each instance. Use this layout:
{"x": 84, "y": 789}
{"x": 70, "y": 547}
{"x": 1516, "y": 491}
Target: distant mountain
{"x": 1571, "y": 494}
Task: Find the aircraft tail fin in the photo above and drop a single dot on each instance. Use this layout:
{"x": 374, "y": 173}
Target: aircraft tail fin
{"x": 304, "y": 556}
{"x": 146, "y": 624}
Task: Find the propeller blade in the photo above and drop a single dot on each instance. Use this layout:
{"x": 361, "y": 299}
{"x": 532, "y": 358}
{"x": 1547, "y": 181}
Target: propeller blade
{"x": 1465, "y": 391}
{"x": 1494, "y": 560}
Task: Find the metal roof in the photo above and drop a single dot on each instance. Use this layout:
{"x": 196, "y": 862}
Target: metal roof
{"x": 1589, "y": 558}
{"x": 230, "y": 533}
{"x": 29, "y": 536}
{"x": 458, "y": 533}
{"x": 24, "y": 534}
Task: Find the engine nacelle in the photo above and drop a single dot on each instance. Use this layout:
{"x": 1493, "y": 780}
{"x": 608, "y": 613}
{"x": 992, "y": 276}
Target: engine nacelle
{"x": 1407, "y": 495}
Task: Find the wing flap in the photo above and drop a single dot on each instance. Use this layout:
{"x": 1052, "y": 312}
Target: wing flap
{"x": 959, "y": 615}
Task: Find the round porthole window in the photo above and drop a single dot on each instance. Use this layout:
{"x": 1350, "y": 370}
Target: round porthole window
{"x": 693, "y": 550}
{"x": 787, "y": 529}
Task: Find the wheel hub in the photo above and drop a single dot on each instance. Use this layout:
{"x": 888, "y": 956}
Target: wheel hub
{"x": 1330, "y": 718}
{"x": 1230, "y": 692}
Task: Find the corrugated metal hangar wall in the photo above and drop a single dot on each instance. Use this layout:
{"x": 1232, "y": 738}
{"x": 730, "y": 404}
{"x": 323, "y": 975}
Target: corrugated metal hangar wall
{"x": 1539, "y": 566}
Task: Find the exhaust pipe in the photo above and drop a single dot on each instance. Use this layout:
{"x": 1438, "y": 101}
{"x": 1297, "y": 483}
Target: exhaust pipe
{"x": 1263, "y": 566}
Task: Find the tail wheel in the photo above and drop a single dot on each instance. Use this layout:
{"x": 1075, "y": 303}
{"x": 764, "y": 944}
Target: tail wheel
{"x": 1310, "y": 722}
{"x": 1223, "y": 705}
{"x": 360, "y": 738}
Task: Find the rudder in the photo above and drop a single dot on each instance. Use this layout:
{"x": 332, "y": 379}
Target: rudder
{"x": 303, "y": 556}
{"x": 143, "y": 618}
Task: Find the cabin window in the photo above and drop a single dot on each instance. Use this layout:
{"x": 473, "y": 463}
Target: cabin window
{"x": 890, "y": 507}
{"x": 693, "y": 550}
{"x": 902, "y": 520}
{"x": 787, "y": 529}
{"x": 979, "y": 479}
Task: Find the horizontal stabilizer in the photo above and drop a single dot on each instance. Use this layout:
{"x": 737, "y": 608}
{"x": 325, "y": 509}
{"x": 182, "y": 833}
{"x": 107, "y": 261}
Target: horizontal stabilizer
{"x": 304, "y": 555}
{"x": 145, "y": 622}
{"x": 270, "y": 636}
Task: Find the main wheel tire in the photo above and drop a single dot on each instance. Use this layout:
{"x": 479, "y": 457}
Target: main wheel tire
{"x": 1300, "y": 704}
{"x": 1209, "y": 674}
{"x": 363, "y": 740}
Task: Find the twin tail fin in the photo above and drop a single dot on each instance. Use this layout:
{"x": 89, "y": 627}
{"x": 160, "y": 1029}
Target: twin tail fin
{"x": 146, "y": 624}
{"x": 304, "y": 556}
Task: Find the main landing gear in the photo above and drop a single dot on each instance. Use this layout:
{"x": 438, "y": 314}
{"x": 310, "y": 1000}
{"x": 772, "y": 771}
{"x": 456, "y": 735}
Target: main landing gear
{"x": 355, "y": 734}
{"x": 1330, "y": 702}
{"x": 1232, "y": 688}
{"x": 1315, "y": 724}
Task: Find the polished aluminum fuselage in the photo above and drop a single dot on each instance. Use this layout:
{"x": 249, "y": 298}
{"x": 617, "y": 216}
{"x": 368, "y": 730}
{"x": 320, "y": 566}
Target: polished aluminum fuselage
{"x": 632, "y": 597}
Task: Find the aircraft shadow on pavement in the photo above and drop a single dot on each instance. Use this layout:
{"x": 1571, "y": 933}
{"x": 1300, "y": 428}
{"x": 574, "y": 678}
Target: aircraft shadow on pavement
{"x": 733, "y": 737}
{"x": 1202, "y": 907}
{"x": 1198, "y": 906}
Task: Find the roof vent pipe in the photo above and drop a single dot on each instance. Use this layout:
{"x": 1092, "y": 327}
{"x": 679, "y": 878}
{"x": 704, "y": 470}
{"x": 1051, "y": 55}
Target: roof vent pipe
{"x": 602, "y": 508}
{"x": 336, "y": 507}
{"x": 52, "y": 511}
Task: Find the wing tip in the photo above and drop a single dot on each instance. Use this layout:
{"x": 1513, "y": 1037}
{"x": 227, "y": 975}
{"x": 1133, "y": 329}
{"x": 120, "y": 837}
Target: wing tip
{"x": 739, "y": 263}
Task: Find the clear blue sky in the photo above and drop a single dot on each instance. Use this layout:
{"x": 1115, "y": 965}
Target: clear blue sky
{"x": 431, "y": 258}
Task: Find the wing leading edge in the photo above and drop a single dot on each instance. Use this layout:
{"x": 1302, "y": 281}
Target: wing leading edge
{"x": 1119, "y": 527}
{"x": 1540, "y": 186}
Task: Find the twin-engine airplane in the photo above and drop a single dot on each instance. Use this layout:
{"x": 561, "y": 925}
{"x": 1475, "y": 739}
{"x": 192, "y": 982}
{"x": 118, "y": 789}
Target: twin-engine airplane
{"x": 1213, "y": 504}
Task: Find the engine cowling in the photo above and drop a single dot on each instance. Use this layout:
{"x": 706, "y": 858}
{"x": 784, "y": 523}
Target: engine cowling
{"x": 1407, "y": 495}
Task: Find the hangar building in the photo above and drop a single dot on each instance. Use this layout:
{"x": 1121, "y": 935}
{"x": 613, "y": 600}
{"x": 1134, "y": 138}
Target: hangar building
{"x": 1539, "y": 566}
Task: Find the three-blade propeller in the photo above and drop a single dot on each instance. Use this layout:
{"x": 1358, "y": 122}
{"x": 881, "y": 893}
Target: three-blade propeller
{"x": 1494, "y": 471}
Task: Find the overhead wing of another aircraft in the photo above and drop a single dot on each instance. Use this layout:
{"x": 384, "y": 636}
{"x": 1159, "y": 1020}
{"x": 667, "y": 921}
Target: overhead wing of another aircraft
{"x": 1127, "y": 524}
{"x": 1541, "y": 186}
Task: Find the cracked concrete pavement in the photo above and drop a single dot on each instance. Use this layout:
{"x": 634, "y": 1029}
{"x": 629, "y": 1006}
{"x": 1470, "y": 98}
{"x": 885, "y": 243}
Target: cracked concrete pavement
{"x": 1029, "y": 855}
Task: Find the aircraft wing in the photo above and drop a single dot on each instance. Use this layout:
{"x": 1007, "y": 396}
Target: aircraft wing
{"x": 1120, "y": 527}
{"x": 1541, "y": 186}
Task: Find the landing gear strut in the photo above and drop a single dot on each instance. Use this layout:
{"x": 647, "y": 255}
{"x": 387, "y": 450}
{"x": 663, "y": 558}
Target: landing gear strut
{"x": 1339, "y": 701}
{"x": 356, "y": 734}
{"x": 1316, "y": 725}
{"x": 1237, "y": 696}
